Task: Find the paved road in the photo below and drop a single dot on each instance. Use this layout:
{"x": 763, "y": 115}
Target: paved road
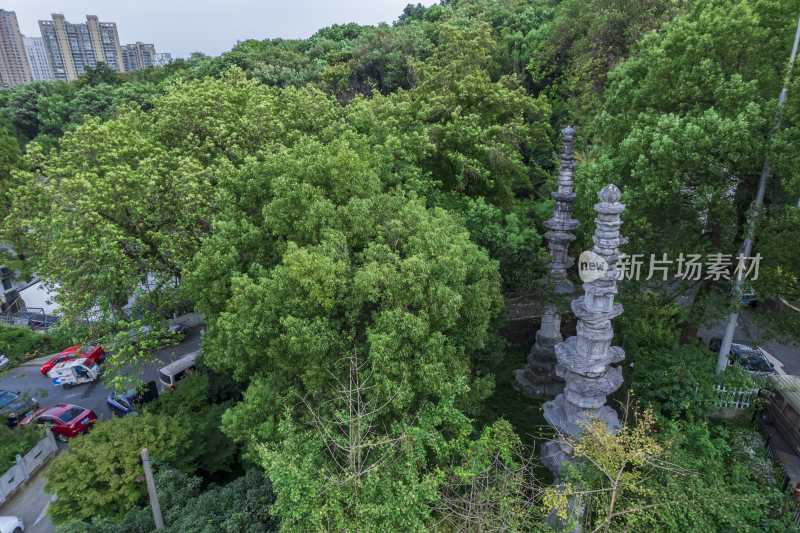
{"x": 784, "y": 354}
{"x": 93, "y": 396}
{"x": 30, "y": 502}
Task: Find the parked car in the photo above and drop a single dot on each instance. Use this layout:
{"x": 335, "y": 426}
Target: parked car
{"x": 748, "y": 296}
{"x": 169, "y": 376}
{"x": 95, "y": 353}
{"x": 15, "y": 406}
{"x": 174, "y": 332}
{"x": 11, "y": 524}
{"x": 75, "y": 372}
{"x": 783, "y": 408}
{"x": 122, "y": 404}
{"x": 64, "y": 420}
{"x": 749, "y": 358}
{"x": 169, "y": 332}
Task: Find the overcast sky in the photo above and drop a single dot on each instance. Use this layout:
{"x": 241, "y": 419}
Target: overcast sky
{"x": 185, "y": 26}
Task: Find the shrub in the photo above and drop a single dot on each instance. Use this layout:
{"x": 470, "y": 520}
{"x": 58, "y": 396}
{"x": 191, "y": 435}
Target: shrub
{"x": 13, "y": 442}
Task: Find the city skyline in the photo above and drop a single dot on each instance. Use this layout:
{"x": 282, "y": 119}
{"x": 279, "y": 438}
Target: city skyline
{"x": 182, "y": 27}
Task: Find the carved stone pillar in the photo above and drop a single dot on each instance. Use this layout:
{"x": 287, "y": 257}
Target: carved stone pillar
{"x": 562, "y": 224}
{"x": 538, "y": 379}
{"x": 585, "y": 360}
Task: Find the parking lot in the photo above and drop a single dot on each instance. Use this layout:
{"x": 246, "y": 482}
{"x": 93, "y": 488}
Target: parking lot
{"x": 30, "y": 502}
{"x": 27, "y": 378}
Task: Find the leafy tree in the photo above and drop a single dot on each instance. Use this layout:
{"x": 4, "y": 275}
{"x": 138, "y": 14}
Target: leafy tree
{"x": 672, "y": 476}
{"x": 685, "y": 128}
{"x": 572, "y": 53}
{"x": 411, "y": 13}
{"x": 16, "y": 341}
{"x": 22, "y": 107}
{"x": 15, "y": 442}
{"x": 722, "y": 480}
{"x": 456, "y": 131}
{"x": 241, "y": 505}
{"x": 492, "y": 486}
{"x": 467, "y": 134}
{"x": 510, "y": 239}
{"x": 351, "y": 473}
{"x": 457, "y": 136}
{"x": 778, "y": 227}
{"x": 189, "y": 404}
{"x": 98, "y": 477}
{"x": 54, "y": 114}
{"x": 125, "y": 202}
{"x": 309, "y": 262}
{"x": 10, "y": 160}
{"x": 96, "y": 248}
{"x": 377, "y": 60}
{"x": 677, "y": 382}
{"x": 100, "y": 74}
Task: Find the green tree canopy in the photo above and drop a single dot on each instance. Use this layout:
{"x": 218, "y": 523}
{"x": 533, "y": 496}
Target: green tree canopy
{"x": 685, "y": 127}
{"x": 309, "y": 263}
{"x": 99, "y": 474}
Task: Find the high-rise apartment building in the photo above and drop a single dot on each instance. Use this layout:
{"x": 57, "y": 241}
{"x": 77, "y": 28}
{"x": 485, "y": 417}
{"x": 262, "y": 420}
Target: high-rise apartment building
{"x": 73, "y": 47}
{"x": 161, "y": 59}
{"x": 37, "y": 58}
{"x": 138, "y": 55}
{"x": 14, "y": 68}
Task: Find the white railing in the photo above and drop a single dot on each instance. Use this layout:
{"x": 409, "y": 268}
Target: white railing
{"x": 14, "y": 320}
{"x": 27, "y": 465}
{"x": 734, "y": 398}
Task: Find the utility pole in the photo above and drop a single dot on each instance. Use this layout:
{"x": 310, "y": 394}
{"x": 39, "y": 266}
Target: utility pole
{"x": 151, "y": 488}
{"x": 727, "y": 339}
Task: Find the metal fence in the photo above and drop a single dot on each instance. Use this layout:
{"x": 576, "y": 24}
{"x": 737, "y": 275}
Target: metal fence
{"x": 732, "y": 398}
{"x": 735, "y": 398}
{"x": 26, "y": 465}
{"x": 14, "y": 320}
{"x": 785, "y": 483}
{"x": 32, "y": 317}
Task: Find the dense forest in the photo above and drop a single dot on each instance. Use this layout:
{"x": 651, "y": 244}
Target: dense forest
{"x": 351, "y": 213}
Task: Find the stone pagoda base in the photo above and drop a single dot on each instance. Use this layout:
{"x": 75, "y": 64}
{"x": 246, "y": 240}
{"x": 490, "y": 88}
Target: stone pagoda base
{"x": 533, "y": 390}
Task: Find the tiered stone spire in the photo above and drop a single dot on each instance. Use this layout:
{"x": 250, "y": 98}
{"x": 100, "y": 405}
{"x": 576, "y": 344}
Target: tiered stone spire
{"x": 538, "y": 379}
{"x": 584, "y": 360}
{"x": 562, "y": 223}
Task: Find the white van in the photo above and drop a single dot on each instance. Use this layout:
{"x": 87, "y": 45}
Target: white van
{"x": 169, "y": 376}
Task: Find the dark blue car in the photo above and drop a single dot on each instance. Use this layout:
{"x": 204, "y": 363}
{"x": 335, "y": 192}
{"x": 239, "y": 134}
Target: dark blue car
{"x": 15, "y": 406}
{"x": 122, "y": 404}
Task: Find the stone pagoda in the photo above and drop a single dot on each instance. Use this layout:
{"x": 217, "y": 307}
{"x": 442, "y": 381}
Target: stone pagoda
{"x": 584, "y": 361}
{"x": 538, "y": 379}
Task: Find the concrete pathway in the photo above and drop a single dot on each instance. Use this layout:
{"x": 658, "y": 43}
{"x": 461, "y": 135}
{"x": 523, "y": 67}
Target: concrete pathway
{"x": 30, "y": 503}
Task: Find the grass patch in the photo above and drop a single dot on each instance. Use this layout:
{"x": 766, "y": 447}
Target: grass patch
{"x": 20, "y": 344}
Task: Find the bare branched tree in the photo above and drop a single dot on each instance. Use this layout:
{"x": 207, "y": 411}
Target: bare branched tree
{"x": 350, "y": 419}
{"x": 494, "y": 488}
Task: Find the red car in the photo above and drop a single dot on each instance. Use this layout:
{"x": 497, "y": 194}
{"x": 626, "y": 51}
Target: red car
{"x": 64, "y": 420}
{"x": 95, "y": 353}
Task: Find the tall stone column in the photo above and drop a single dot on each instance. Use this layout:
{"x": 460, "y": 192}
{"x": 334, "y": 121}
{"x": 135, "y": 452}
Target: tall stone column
{"x": 538, "y": 379}
{"x": 562, "y": 224}
{"x": 585, "y": 360}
